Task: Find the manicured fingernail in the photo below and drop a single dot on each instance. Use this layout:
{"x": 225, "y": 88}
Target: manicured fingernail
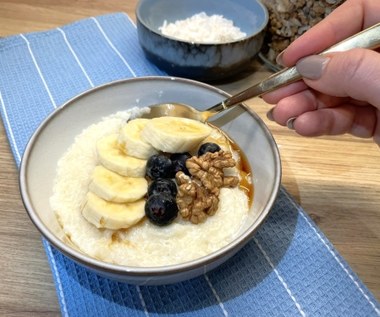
{"x": 312, "y": 67}
{"x": 270, "y": 115}
{"x": 279, "y": 60}
{"x": 290, "y": 123}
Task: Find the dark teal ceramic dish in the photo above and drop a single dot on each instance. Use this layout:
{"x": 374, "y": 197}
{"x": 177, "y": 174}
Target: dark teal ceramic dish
{"x": 206, "y": 61}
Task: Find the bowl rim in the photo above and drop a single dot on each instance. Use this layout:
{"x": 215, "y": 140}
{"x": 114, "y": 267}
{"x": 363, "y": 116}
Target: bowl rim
{"x": 154, "y": 271}
{"x": 172, "y": 38}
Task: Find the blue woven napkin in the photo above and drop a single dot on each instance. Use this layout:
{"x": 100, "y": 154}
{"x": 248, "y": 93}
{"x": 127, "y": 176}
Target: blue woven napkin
{"x": 289, "y": 268}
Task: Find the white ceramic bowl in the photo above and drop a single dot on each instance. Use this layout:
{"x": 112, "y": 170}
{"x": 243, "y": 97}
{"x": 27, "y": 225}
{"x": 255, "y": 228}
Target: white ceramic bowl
{"x": 57, "y": 133}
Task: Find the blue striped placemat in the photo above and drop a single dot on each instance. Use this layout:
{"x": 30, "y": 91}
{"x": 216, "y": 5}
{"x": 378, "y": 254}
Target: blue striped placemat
{"x": 288, "y": 269}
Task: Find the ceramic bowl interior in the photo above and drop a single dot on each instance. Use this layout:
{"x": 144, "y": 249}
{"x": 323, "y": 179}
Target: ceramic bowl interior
{"x": 201, "y": 61}
{"x": 54, "y": 136}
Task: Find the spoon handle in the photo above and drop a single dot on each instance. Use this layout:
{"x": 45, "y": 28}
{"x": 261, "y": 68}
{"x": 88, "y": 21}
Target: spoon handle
{"x": 368, "y": 38}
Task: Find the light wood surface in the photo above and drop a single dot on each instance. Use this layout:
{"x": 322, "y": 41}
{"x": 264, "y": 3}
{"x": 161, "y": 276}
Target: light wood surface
{"x": 335, "y": 179}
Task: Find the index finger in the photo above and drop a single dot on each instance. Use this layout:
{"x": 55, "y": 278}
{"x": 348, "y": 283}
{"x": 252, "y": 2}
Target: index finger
{"x": 348, "y": 19}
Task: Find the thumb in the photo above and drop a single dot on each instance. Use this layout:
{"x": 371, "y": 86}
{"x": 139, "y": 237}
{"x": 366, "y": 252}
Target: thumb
{"x": 354, "y": 73}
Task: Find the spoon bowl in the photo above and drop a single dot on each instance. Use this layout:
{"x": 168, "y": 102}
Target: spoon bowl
{"x": 178, "y": 110}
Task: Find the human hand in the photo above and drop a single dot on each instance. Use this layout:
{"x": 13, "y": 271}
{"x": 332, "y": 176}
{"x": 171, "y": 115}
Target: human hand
{"x": 339, "y": 93}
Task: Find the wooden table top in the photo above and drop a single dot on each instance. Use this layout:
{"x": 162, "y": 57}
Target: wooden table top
{"x": 335, "y": 179}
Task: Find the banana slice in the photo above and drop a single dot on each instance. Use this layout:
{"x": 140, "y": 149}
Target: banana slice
{"x": 112, "y": 157}
{"x": 130, "y": 138}
{"x": 174, "y": 135}
{"x": 109, "y": 215}
{"x": 116, "y": 188}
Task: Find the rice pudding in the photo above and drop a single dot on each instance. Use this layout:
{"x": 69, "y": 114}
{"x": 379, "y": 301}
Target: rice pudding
{"x": 143, "y": 243}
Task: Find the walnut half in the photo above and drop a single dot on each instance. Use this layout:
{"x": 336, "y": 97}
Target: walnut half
{"x": 197, "y": 195}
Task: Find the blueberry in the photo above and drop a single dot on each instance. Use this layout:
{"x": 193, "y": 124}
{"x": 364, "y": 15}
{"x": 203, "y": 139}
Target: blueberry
{"x": 159, "y": 166}
{"x": 179, "y": 162}
{"x": 208, "y": 147}
{"x": 161, "y": 210}
{"x": 162, "y": 186}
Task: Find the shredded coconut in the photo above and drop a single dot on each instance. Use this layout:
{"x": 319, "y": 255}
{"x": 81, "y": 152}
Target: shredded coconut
{"x": 201, "y": 28}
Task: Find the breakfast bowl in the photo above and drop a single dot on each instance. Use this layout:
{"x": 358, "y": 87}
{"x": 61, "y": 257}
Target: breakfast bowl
{"x": 55, "y": 141}
{"x": 181, "y": 38}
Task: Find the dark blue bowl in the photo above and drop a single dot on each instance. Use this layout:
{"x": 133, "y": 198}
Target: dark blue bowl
{"x": 200, "y": 61}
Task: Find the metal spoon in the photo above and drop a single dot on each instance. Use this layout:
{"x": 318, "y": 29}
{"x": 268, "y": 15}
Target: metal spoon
{"x": 368, "y": 38}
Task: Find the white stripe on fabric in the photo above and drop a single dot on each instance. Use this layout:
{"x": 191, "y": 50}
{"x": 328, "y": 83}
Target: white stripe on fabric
{"x": 135, "y": 26}
{"x": 75, "y": 56}
{"x": 341, "y": 265}
{"x": 225, "y": 313}
{"x": 142, "y": 301}
{"x": 130, "y": 20}
{"x": 39, "y": 71}
{"x": 10, "y": 128}
{"x": 57, "y": 278}
{"x": 90, "y": 81}
{"x": 300, "y": 210}
{"x": 334, "y": 255}
{"x": 280, "y": 277}
{"x": 113, "y": 47}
